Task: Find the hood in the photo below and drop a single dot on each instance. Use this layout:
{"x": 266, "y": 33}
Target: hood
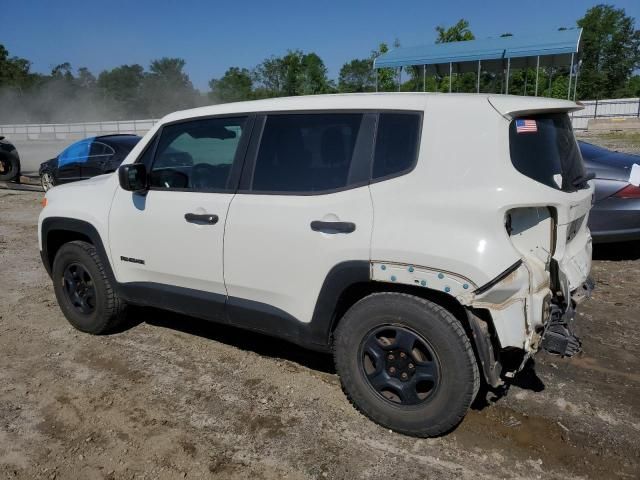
{"x": 49, "y": 164}
{"x": 82, "y": 185}
{"x": 607, "y": 164}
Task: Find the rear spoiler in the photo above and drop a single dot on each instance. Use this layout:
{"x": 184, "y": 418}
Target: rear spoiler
{"x": 510, "y": 106}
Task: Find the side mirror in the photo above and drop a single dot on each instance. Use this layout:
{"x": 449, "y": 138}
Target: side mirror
{"x": 133, "y": 177}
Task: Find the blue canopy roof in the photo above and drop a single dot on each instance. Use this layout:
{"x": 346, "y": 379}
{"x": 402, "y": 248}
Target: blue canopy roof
{"x": 556, "y": 48}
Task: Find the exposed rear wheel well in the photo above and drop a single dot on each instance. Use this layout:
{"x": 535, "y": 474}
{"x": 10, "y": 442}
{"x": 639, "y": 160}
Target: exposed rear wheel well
{"x": 358, "y": 291}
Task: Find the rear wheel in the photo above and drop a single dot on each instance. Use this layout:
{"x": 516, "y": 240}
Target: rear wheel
{"x": 83, "y": 289}
{"x": 406, "y": 363}
{"x": 9, "y": 167}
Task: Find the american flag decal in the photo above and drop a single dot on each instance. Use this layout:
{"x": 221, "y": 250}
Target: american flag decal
{"x": 526, "y": 126}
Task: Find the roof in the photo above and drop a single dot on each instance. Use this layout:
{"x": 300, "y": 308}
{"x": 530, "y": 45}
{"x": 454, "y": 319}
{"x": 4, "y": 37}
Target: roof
{"x": 120, "y": 138}
{"x": 553, "y": 46}
{"x": 505, "y": 104}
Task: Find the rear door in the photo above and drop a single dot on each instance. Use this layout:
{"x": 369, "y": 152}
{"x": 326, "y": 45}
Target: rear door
{"x": 167, "y": 245}
{"x": 303, "y": 208}
{"x": 100, "y": 154}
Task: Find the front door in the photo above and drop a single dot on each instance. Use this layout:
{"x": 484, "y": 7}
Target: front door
{"x": 306, "y": 209}
{"x": 167, "y": 245}
{"x": 71, "y": 160}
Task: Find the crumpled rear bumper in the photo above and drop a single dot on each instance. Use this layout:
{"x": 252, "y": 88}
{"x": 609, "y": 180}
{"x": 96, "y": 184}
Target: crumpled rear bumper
{"x": 558, "y": 336}
{"x": 528, "y": 303}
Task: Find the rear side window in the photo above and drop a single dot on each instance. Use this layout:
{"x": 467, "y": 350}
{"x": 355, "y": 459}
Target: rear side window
{"x": 306, "y": 152}
{"x": 544, "y": 149}
{"x": 396, "y": 144}
{"x": 99, "y": 149}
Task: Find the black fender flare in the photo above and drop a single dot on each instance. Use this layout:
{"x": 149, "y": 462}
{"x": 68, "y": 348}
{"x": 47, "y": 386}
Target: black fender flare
{"x": 63, "y": 224}
{"x": 341, "y": 276}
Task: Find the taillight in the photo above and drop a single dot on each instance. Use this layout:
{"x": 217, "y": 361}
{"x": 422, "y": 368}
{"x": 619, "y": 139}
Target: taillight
{"x": 630, "y": 191}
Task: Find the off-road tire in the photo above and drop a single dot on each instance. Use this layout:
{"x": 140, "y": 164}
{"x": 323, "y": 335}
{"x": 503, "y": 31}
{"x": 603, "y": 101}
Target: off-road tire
{"x": 109, "y": 310}
{"x": 459, "y": 376}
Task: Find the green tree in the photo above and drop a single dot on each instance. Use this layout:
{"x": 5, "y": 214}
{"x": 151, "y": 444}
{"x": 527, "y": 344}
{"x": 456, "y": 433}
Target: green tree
{"x": 236, "y": 85}
{"x": 167, "y": 88}
{"x": 121, "y": 87}
{"x": 85, "y": 78}
{"x": 387, "y": 81}
{"x": 62, "y": 71}
{"x": 295, "y": 73}
{"x": 14, "y": 71}
{"x": 313, "y": 75}
{"x": 418, "y": 83}
{"x": 356, "y": 76}
{"x": 610, "y": 53}
{"x": 633, "y": 87}
{"x": 268, "y": 76}
{"x": 459, "y": 32}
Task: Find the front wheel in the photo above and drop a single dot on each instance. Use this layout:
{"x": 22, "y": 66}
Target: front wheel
{"x": 47, "y": 182}
{"x": 406, "y": 363}
{"x": 83, "y": 289}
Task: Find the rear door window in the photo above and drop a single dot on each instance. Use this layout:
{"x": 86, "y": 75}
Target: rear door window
{"x": 544, "y": 149}
{"x": 99, "y": 149}
{"x": 307, "y": 153}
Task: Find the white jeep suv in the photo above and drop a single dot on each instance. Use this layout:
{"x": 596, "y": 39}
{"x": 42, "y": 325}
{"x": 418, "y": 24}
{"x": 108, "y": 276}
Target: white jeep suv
{"x": 424, "y": 239}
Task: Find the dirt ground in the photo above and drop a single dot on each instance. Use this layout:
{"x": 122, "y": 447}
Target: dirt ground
{"x": 173, "y": 397}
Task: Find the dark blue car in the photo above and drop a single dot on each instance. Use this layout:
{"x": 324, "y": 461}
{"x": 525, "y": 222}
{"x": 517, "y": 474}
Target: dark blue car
{"x": 87, "y": 158}
{"x": 616, "y": 212}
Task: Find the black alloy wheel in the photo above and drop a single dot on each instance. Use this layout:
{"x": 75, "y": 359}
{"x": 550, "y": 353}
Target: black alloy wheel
{"x": 79, "y": 288}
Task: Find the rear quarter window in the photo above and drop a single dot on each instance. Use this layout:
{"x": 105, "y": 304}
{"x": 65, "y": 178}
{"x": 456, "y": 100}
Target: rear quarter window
{"x": 543, "y": 148}
{"x": 397, "y": 142}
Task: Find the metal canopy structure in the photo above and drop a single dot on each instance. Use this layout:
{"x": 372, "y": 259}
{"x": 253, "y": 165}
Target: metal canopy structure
{"x": 552, "y": 49}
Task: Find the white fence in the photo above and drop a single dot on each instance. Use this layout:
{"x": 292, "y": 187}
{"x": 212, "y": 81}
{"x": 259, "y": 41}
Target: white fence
{"x": 618, "y": 107}
{"x": 74, "y": 131}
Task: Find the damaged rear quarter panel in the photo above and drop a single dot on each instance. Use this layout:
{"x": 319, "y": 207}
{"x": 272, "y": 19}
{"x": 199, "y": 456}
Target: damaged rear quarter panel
{"x": 454, "y": 207}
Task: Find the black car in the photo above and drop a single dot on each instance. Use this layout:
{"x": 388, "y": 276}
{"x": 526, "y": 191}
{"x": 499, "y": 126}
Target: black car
{"x": 615, "y": 215}
{"x": 87, "y": 158}
{"x": 9, "y": 161}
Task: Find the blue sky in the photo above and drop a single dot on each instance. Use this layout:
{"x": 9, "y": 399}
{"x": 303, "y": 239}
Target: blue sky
{"x": 214, "y": 35}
